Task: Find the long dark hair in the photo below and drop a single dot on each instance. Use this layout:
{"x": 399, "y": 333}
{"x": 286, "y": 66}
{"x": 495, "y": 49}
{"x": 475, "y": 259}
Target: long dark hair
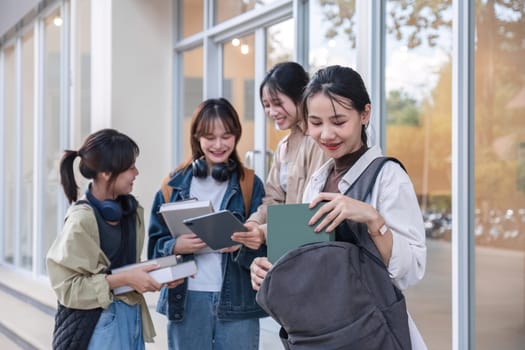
{"x": 288, "y": 78}
{"x": 202, "y": 123}
{"x": 106, "y": 150}
{"x": 342, "y": 85}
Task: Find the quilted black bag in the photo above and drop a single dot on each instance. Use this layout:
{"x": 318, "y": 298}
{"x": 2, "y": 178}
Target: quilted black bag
{"x": 73, "y": 327}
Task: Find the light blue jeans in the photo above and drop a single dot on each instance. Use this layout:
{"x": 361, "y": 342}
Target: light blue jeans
{"x": 202, "y": 330}
{"x": 119, "y": 327}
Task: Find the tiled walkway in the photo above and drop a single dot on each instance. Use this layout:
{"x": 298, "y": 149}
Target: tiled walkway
{"x": 27, "y": 316}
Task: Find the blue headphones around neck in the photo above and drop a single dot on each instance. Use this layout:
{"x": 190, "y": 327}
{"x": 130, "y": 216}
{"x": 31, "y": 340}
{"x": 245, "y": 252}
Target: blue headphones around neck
{"x": 220, "y": 172}
{"x": 111, "y": 210}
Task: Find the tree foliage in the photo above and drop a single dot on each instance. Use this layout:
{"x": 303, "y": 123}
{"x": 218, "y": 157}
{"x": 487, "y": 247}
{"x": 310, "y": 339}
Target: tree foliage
{"x": 413, "y": 21}
{"x": 401, "y": 109}
{"x": 499, "y": 78}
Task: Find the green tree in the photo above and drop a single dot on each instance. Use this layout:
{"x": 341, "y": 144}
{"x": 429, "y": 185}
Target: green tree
{"x": 402, "y": 109}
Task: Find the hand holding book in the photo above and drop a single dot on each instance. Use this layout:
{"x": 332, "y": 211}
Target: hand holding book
{"x": 289, "y": 226}
{"x": 137, "y": 278}
{"x": 253, "y": 238}
{"x": 149, "y": 276}
{"x": 189, "y": 243}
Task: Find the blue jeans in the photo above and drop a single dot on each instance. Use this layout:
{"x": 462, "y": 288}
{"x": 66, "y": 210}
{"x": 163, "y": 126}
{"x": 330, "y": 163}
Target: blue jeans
{"x": 119, "y": 327}
{"x": 202, "y": 330}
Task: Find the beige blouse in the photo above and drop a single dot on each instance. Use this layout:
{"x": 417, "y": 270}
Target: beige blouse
{"x": 302, "y": 156}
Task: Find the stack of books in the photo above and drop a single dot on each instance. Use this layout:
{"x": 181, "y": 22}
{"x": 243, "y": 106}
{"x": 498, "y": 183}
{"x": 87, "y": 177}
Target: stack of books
{"x": 174, "y": 214}
{"x": 170, "y": 268}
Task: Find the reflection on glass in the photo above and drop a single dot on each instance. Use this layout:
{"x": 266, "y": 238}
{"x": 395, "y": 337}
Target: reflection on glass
{"x": 52, "y": 151}
{"x": 238, "y": 86}
{"x": 418, "y": 108}
{"x": 499, "y": 138}
{"x": 279, "y": 48}
{"x": 8, "y": 138}
{"x": 332, "y": 33}
{"x": 280, "y": 40}
{"x": 190, "y": 18}
{"x": 26, "y": 223}
{"x": 191, "y": 93}
{"x": 226, "y": 9}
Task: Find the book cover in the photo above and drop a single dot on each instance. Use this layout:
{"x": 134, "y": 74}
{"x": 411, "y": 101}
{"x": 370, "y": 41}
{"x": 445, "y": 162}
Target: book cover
{"x": 288, "y": 229}
{"x": 174, "y": 214}
{"x": 215, "y": 229}
{"x": 170, "y": 269}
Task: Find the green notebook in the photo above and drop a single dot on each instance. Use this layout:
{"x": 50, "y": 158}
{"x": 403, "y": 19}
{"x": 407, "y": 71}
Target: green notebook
{"x": 288, "y": 229}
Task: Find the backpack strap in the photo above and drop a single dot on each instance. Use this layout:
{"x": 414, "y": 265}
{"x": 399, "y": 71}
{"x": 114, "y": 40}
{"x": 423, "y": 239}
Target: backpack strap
{"x": 246, "y": 189}
{"x": 359, "y": 190}
{"x": 362, "y": 187}
{"x": 165, "y": 188}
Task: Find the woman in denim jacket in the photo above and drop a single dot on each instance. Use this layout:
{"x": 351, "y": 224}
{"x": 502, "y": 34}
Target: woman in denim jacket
{"x": 216, "y": 308}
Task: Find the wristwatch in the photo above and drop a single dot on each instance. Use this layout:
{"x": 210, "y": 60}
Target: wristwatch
{"x": 382, "y": 230}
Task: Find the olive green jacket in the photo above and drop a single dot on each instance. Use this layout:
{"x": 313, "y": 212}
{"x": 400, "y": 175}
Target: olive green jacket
{"x": 76, "y": 265}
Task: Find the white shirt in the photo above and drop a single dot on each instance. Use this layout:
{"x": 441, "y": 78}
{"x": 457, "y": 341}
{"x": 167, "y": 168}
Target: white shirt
{"x": 394, "y": 198}
{"x": 209, "y": 264}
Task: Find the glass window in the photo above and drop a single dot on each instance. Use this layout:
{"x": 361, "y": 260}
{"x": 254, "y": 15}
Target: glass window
{"x": 280, "y": 40}
{"x": 82, "y": 77}
{"x": 418, "y": 108}
{"x": 191, "y": 93}
{"x": 499, "y": 138}
{"x": 26, "y": 219}
{"x": 226, "y": 9}
{"x": 333, "y": 31}
{"x": 51, "y": 142}
{"x": 190, "y": 17}
{"x": 238, "y": 85}
{"x": 9, "y": 140}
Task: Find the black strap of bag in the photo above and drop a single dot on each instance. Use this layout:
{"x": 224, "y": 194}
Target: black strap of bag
{"x": 357, "y": 233}
{"x": 74, "y": 327}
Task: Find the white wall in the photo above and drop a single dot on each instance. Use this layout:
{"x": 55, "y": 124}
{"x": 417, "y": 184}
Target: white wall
{"x": 139, "y": 84}
{"x": 142, "y": 75}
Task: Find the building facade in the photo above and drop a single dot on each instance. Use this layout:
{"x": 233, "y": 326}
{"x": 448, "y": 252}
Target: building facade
{"x": 446, "y": 79}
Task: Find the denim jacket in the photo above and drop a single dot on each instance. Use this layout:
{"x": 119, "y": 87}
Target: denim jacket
{"x": 237, "y": 297}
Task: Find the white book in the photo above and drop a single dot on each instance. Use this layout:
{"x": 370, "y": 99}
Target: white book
{"x": 170, "y": 269}
{"x": 174, "y": 213}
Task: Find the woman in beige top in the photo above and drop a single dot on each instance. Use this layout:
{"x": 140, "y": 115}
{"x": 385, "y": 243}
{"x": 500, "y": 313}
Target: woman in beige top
{"x": 297, "y": 156}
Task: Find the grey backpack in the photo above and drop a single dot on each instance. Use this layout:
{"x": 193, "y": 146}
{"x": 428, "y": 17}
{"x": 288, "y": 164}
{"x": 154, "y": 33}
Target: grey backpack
{"x": 337, "y": 295}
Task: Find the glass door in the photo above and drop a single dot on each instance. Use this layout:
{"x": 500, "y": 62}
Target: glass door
{"x": 279, "y": 48}
{"x": 240, "y": 85}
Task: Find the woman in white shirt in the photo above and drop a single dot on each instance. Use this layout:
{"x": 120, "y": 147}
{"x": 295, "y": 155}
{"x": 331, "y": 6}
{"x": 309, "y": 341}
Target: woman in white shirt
{"x": 337, "y": 110}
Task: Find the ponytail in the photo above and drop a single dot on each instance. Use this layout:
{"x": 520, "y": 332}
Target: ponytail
{"x": 106, "y": 150}
{"x": 67, "y": 176}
